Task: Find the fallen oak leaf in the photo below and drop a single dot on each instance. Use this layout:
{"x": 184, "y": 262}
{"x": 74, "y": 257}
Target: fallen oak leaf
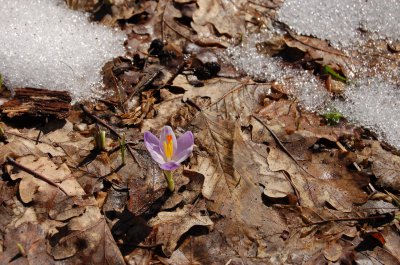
{"x": 386, "y": 167}
{"x": 31, "y": 187}
{"x": 224, "y": 16}
{"x": 168, "y": 227}
{"x": 32, "y": 172}
{"x": 19, "y": 148}
{"x": 28, "y": 238}
{"x": 86, "y": 239}
{"x": 233, "y": 171}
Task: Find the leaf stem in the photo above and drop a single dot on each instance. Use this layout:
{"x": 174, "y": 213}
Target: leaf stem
{"x": 170, "y": 180}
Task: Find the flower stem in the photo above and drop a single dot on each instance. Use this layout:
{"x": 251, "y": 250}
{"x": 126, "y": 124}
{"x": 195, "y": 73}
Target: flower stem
{"x": 170, "y": 180}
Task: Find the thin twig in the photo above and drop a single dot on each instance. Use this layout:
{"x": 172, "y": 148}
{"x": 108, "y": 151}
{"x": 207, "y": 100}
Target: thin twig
{"x": 35, "y": 174}
{"x": 102, "y": 122}
{"x": 146, "y": 80}
{"x": 279, "y": 143}
{"x": 115, "y": 132}
{"x": 267, "y": 6}
{"x": 381, "y": 216}
{"x": 119, "y": 93}
{"x": 191, "y": 103}
{"x": 296, "y": 192}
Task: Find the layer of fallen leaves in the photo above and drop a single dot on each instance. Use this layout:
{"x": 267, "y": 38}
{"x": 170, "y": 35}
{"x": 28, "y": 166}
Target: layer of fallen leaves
{"x": 268, "y": 183}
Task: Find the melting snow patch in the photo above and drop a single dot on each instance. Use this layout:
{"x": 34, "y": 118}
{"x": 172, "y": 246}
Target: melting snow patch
{"x": 302, "y": 84}
{"x": 375, "y": 104}
{"x": 371, "y": 102}
{"x": 46, "y": 45}
{"x": 341, "y": 21}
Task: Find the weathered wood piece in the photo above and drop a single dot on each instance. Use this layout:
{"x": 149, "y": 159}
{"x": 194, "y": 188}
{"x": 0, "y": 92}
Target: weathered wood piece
{"x": 38, "y": 102}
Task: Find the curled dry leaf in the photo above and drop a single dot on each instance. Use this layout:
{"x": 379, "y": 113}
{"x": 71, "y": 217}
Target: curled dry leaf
{"x": 168, "y": 227}
{"x": 86, "y": 239}
{"x": 28, "y": 241}
{"x": 31, "y": 187}
{"x": 19, "y": 147}
{"x": 231, "y": 99}
{"x": 136, "y": 185}
{"x": 386, "y": 167}
{"x": 224, "y": 16}
{"x": 231, "y": 185}
{"x": 319, "y": 50}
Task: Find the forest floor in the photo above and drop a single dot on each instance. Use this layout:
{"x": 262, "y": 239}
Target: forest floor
{"x": 269, "y": 181}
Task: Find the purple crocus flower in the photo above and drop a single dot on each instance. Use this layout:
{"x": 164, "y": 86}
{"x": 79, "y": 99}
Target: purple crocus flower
{"x": 168, "y": 151}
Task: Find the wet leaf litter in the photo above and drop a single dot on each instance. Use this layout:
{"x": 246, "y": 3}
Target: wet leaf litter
{"x": 277, "y": 152}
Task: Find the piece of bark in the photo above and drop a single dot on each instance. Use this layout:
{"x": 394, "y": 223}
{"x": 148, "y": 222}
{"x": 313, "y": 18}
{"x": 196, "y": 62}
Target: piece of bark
{"x": 38, "y": 102}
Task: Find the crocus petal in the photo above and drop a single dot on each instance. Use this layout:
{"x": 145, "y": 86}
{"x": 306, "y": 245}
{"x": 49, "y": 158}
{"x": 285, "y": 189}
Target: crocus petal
{"x": 183, "y": 155}
{"x": 167, "y": 130}
{"x": 169, "y": 166}
{"x": 185, "y": 141}
{"x": 185, "y": 147}
{"x": 153, "y": 145}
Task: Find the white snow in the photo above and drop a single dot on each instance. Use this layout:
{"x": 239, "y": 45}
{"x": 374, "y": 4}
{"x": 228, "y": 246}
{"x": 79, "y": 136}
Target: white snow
{"x": 342, "y": 21}
{"x": 302, "y": 84}
{"x": 371, "y": 102}
{"x": 375, "y": 104}
{"x": 43, "y": 44}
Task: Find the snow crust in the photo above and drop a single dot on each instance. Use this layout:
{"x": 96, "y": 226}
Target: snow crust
{"x": 373, "y": 102}
{"x": 44, "y": 44}
{"x": 301, "y": 84}
{"x": 342, "y": 21}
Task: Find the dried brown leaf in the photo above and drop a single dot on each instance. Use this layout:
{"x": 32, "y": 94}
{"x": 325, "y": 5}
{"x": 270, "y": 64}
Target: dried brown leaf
{"x": 168, "y": 227}
{"x": 386, "y": 167}
{"x": 391, "y": 235}
{"x": 321, "y": 179}
{"x": 138, "y": 184}
{"x": 230, "y": 99}
{"x": 224, "y": 16}
{"x": 231, "y": 185}
{"x": 319, "y": 50}
{"x": 31, "y": 239}
{"x": 87, "y": 240}
{"x": 17, "y": 148}
{"x": 33, "y": 188}
{"x": 170, "y": 105}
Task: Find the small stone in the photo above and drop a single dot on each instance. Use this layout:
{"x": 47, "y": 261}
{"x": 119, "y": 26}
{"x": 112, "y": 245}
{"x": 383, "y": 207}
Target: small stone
{"x": 81, "y": 127}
